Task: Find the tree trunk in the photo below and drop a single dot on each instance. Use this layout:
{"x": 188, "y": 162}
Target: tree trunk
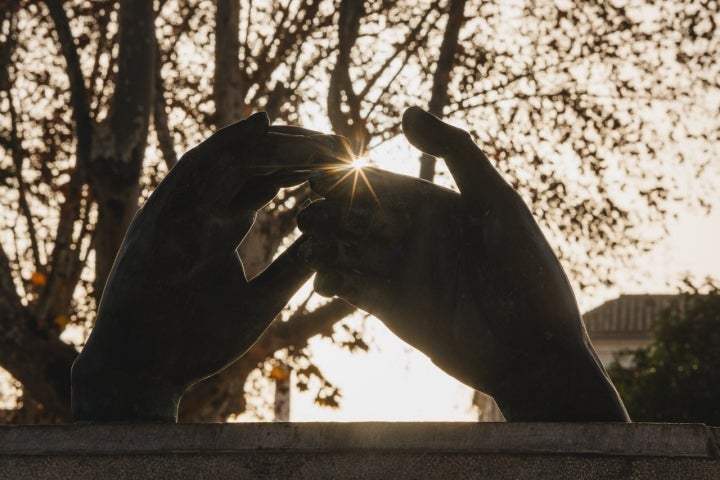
{"x": 343, "y": 103}
{"x": 228, "y": 91}
{"x": 119, "y": 144}
{"x": 40, "y": 362}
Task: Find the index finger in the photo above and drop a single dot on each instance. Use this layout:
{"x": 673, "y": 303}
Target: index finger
{"x": 294, "y": 153}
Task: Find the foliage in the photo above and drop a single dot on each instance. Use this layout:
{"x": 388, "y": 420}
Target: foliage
{"x": 583, "y": 107}
{"x": 677, "y": 377}
{"x": 581, "y": 104}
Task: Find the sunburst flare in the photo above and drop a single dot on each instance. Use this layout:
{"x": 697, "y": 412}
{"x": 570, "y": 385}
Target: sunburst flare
{"x": 351, "y": 168}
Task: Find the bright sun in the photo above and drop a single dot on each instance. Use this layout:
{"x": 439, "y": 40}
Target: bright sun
{"x": 354, "y": 172}
{"x": 359, "y": 163}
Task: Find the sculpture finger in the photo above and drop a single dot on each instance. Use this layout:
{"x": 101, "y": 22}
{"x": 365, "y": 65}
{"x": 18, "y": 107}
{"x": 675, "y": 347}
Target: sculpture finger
{"x": 194, "y": 178}
{"x": 273, "y": 287}
{"x": 475, "y": 176}
{"x": 280, "y": 151}
{"x": 237, "y": 137}
{"x": 251, "y": 179}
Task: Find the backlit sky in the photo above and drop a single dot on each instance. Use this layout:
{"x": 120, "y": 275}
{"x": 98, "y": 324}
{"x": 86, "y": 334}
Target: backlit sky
{"x": 394, "y": 382}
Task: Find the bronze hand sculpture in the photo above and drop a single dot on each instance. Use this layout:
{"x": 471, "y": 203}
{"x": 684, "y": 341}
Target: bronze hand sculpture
{"x": 467, "y": 278}
{"x": 177, "y": 306}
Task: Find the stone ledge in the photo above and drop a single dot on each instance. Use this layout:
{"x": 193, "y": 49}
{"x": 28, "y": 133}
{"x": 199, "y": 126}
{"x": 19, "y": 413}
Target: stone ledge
{"x": 361, "y": 450}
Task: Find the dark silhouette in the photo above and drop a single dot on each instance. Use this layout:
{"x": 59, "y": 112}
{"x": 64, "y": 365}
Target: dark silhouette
{"x": 177, "y": 306}
{"x": 468, "y": 278}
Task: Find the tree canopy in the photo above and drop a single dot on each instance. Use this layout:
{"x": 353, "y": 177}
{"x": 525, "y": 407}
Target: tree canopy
{"x": 602, "y": 114}
{"x": 676, "y": 377}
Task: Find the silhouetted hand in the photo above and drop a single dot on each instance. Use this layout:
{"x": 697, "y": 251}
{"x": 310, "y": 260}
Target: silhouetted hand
{"x": 177, "y": 306}
{"x": 466, "y": 278}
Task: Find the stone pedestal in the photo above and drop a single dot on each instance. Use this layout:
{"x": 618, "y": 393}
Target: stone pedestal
{"x": 361, "y": 450}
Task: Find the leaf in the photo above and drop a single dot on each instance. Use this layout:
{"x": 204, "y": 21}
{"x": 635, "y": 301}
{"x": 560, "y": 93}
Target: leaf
{"x": 38, "y": 279}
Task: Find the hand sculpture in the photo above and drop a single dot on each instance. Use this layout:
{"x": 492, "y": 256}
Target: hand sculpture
{"x": 177, "y": 306}
{"x": 466, "y": 278}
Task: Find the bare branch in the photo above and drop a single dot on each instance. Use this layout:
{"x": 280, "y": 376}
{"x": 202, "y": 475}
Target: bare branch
{"x": 64, "y": 258}
{"x": 18, "y": 160}
{"x": 287, "y": 40}
{"x": 441, "y": 77}
{"x": 14, "y": 144}
{"x": 101, "y": 48}
{"x": 343, "y": 103}
{"x": 41, "y": 364}
{"x": 228, "y": 88}
{"x": 7, "y": 49}
{"x": 78, "y": 90}
{"x": 160, "y": 118}
{"x": 406, "y": 48}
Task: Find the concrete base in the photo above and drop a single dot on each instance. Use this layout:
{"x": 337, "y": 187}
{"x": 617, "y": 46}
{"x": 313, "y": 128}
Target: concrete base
{"x": 362, "y": 451}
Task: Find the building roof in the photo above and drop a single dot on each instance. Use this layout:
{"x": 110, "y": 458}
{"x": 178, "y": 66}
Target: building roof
{"x": 627, "y": 314}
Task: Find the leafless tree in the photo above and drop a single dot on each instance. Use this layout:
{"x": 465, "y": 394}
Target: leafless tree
{"x": 98, "y": 98}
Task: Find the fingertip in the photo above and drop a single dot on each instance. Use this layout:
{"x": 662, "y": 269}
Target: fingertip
{"x": 300, "y": 153}
{"x": 420, "y": 128}
{"x": 327, "y": 284}
{"x": 413, "y": 115}
{"x": 259, "y": 120}
{"x": 429, "y": 134}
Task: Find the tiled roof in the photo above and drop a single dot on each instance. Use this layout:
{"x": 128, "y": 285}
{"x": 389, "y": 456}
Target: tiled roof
{"x": 627, "y": 314}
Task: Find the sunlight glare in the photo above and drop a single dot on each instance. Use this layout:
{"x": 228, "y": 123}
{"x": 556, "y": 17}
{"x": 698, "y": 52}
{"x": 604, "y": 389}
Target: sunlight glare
{"x": 358, "y": 163}
{"x": 353, "y": 169}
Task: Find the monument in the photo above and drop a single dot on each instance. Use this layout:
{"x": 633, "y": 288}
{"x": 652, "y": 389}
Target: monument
{"x": 467, "y": 278}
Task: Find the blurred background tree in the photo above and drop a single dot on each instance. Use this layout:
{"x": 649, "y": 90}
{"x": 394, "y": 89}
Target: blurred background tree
{"x": 603, "y": 115}
{"x": 675, "y": 378}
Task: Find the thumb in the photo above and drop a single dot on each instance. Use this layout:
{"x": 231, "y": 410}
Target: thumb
{"x": 474, "y": 175}
{"x": 275, "y": 285}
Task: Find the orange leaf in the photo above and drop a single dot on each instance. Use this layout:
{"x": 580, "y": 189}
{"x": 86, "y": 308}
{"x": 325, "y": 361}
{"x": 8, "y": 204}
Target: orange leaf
{"x": 38, "y": 279}
{"x": 61, "y": 321}
{"x": 279, "y": 373}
